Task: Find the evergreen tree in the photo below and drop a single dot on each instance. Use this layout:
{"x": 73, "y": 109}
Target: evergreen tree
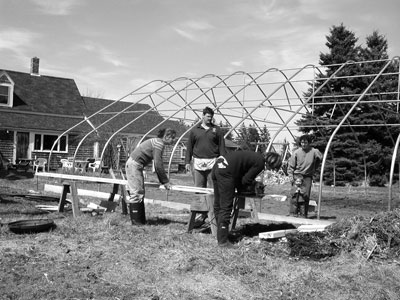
{"x": 351, "y": 147}
{"x": 250, "y": 137}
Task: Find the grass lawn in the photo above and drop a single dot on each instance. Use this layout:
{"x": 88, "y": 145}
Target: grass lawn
{"x": 106, "y": 257}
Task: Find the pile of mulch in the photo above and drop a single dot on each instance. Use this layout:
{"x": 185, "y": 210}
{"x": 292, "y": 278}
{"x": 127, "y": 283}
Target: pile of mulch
{"x": 377, "y": 237}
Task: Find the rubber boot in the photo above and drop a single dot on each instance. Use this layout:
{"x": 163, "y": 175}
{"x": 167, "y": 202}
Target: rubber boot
{"x": 137, "y": 213}
{"x": 222, "y": 236}
{"x": 306, "y": 205}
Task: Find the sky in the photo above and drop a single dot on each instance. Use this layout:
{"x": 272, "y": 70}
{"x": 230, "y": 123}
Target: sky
{"x": 112, "y": 47}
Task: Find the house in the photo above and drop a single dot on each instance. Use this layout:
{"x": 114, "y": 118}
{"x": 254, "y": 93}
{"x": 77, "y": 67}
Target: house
{"x": 46, "y": 116}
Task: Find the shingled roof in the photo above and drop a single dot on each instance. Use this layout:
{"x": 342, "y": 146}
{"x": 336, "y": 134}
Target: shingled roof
{"x": 42, "y": 102}
{"x": 53, "y": 103}
{"x": 143, "y": 124}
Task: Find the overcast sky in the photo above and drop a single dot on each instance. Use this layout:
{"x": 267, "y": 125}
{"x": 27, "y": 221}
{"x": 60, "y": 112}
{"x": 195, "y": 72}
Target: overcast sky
{"x": 112, "y": 47}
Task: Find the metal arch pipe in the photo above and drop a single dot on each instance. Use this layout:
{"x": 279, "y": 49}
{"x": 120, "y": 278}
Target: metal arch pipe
{"x": 218, "y": 107}
{"x": 304, "y": 104}
{"x": 396, "y": 147}
{"x": 235, "y": 96}
{"x": 283, "y": 85}
{"x": 114, "y": 116}
{"x": 199, "y": 121}
{"x": 241, "y": 89}
{"x": 167, "y": 83}
{"x": 94, "y": 114}
{"x": 195, "y": 83}
{"x": 181, "y": 109}
{"x": 392, "y": 165}
{"x": 337, "y": 129}
{"x": 203, "y": 93}
{"x": 123, "y": 127}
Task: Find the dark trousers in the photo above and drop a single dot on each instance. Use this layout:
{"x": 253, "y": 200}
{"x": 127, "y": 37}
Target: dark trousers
{"x": 224, "y": 192}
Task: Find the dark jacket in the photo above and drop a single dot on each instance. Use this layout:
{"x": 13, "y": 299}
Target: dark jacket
{"x": 243, "y": 166}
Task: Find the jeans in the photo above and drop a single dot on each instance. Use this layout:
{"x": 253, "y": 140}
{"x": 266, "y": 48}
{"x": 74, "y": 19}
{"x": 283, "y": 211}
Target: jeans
{"x": 202, "y": 178}
{"x": 134, "y": 175}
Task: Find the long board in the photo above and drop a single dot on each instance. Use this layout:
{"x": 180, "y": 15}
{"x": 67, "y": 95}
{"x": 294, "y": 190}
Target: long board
{"x": 182, "y": 188}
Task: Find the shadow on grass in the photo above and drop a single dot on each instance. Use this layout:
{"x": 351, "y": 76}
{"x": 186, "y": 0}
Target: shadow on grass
{"x": 6, "y": 200}
{"x": 322, "y": 217}
{"x": 13, "y": 175}
{"x": 252, "y": 230}
{"x": 162, "y": 221}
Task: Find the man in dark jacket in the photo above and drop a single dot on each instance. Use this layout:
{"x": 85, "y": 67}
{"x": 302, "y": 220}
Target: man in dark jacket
{"x": 236, "y": 171}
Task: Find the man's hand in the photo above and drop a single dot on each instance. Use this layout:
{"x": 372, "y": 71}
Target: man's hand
{"x": 167, "y": 186}
{"x": 188, "y": 168}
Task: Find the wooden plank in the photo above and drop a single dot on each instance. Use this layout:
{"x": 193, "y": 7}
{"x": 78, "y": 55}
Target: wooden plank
{"x": 89, "y": 178}
{"x": 211, "y": 215}
{"x": 292, "y": 220}
{"x": 81, "y": 192}
{"x": 175, "y": 205}
{"x": 275, "y": 234}
{"x": 312, "y": 227}
{"x": 169, "y": 204}
{"x": 253, "y": 209}
{"x": 75, "y": 201}
{"x": 191, "y": 189}
{"x": 63, "y": 197}
{"x": 122, "y": 181}
{"x": 81, "y": 178}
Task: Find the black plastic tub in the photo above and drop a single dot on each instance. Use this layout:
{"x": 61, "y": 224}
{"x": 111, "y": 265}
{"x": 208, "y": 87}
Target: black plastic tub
{"x": 31, "y": 226}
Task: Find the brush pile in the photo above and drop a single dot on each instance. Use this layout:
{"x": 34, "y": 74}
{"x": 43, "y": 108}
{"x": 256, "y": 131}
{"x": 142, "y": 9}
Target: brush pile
{"x": 271, "y": 177}
{"x": 377, "y": 237}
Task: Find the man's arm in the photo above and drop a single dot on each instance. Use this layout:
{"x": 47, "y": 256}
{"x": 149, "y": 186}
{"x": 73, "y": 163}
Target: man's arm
{"x": 159, "y": 166}
{"x": 221, "y": 143}
{"x": 291, "y": 166}
{"x": 189, "y": 151}
{"x": 253, "y": 171}
{"x": 317, "y": 157}
{"x": 189, "y": 148}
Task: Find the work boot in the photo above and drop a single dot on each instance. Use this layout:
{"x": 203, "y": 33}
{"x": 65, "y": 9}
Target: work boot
{"x": 222, "y": 234}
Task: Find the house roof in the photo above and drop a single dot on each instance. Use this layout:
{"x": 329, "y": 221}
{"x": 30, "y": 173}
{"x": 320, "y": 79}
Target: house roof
{"x": 121, "y": 113}
{"x": 45, "y": 94}
{"x": 51, "y": 103}
{"x": 42, "y": 103}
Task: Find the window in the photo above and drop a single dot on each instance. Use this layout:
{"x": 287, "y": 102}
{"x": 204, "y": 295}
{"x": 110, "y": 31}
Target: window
{"x": 6, "y": 90}
{"x": 4, "y": 94}
{"x": 44, "y": 142}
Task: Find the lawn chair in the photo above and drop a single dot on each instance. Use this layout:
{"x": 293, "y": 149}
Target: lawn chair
{"x": 66, "y": 164}
{"x": 94, "y": 165}
{"x": 39, "y": 163}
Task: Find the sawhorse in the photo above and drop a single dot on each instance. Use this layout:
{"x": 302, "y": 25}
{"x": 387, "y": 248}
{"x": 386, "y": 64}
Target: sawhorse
{"x": 70, "y": 187}
{"x": 239, "y": 203}
{"x": 205, "y": 205}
